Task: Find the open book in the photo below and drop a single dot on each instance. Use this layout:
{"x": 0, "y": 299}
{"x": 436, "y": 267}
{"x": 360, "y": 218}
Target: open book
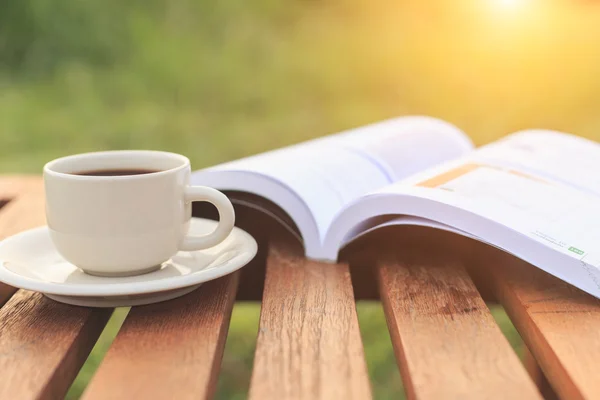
{"x": 534, "y": 194}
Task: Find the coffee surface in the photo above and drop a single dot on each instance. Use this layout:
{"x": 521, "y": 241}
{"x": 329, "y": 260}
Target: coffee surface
{"x": 116, "y": 172}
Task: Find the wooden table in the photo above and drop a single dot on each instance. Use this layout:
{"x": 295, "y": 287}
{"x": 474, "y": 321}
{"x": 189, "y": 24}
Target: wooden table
{"x": 431, "y": 284}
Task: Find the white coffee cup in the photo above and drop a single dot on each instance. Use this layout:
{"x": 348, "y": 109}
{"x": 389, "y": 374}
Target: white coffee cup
{"x": 126, "y": 224}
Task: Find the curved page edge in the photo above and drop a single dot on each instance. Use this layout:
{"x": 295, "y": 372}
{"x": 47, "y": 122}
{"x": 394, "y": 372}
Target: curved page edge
{"x": 473, "y": 225}
{"x": 271, "y": 189}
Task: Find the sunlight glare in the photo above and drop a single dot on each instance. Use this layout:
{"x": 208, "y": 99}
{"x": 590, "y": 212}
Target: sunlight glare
{"x": 508, "y": 3}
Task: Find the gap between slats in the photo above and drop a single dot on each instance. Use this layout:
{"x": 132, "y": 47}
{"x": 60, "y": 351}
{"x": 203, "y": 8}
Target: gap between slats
{"x": 238, "y": 355}
{"x": 215, "y": 299}
{"x": 558, "y": 322}
{"x": 179, "y": 342}
{"x": 97, "y": 353}
{"x": 379, "y": 352}
{"x": 446, "y": 341}
{"x": 43, "y": 345}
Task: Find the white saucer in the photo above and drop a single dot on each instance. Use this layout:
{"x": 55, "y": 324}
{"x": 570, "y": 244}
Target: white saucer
{"x": 29, "y": 261}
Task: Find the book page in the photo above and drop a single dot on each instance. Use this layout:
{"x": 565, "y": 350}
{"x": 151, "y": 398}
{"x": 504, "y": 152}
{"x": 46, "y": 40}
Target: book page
{"x": 561, "y": 217}
{"x": 545, "y": 222}
{"x": 569, "y": 159}
{"x": 550, "y": 218}
{"x": 330, "y": 172}
{"x": 539, "y": 183}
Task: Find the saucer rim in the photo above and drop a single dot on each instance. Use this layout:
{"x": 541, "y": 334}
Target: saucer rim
{"x": 126, "y": 288}
{"x": 114, "y": 302}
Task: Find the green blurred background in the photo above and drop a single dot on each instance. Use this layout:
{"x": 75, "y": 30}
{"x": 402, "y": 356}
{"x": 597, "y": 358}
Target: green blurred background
{"x": 218, "y": 80}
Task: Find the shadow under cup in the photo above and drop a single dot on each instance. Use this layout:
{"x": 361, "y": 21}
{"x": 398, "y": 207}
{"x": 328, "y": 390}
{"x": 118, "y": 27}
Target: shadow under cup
{"x": 118, "y": 213}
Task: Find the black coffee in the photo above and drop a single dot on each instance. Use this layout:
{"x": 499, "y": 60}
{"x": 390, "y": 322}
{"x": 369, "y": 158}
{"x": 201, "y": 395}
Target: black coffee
{"x": 116, "y": 172}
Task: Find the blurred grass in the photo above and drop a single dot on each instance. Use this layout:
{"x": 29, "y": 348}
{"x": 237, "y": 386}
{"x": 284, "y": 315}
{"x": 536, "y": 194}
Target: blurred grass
{"x": 218, "y": 80}
{"x": 222, "y": 79}
{"x": 97, "y": 354}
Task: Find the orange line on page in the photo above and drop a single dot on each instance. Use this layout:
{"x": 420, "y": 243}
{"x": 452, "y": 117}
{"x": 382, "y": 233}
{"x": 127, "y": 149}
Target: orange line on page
{"x": 449, "y": 175}
{"x": 523, "y": 175}
{"x": 464, "y": 169}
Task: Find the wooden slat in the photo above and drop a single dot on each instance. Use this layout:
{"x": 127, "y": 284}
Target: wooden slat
{"x": 23, "y": 210}
{"x": 309, "y": 344}
{"x": 536, "y": 374}
{"x": 42, "y": 343}
{"x": 446, "y": 341}
{"x": 169, "y": 350}
{"x": 559, "y": 323}
{"x": 13, "y": 185}
{"x": 5, "y": 293}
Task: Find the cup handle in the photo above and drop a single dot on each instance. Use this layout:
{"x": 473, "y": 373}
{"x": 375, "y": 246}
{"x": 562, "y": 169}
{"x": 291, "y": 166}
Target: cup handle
{"x": 226, "y": 218}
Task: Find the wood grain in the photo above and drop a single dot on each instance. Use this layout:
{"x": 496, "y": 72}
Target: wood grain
{"x": 446, "y": 341}
{"x": 537, "y": 375}
{"x": 309, "y": 344}
{"x": 43, "y": 345}
{"x": 171, "y": 349}
{"x": 559, "y": 323}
